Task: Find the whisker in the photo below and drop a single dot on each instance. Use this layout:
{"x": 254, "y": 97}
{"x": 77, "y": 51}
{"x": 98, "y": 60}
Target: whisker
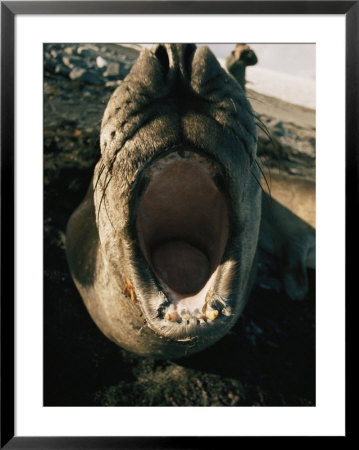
{"x": 99, "y": 176}
{"x": 103, "y": 194}
{"x": 264, "y": 128}
{"x": 250, "y": 97}
{"x": 108, "y": 214}
{"x": 263, "y": 175}
{"x": 257, "y": 181}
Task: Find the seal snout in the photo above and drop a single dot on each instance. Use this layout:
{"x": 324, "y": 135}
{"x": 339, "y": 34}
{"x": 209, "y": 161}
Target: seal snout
{"x": 175, "y": 59}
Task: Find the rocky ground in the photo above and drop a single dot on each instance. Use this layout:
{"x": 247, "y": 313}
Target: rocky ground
{"x": 268, "y": 359}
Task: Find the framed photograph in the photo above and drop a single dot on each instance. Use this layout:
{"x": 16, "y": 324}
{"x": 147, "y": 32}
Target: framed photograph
{"x": 171, "y": 234}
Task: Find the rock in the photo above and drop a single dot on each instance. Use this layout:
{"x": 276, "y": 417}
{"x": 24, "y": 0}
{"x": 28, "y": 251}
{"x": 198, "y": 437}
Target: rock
{"x": 77, "y": 61}
{"x": 112, "y": 84}
{"x": 89, "y": 76}
{"x": 100, "y": 62}
{"x": 77, "y": 73}
{"x": 66, "y": 60}
{"x": 84, "y": 51}
{"x": 62, "y": 70}
{"x": 113, "y": 70}
{"x": 68, "y": 50}
{"x": 278, "y": 129}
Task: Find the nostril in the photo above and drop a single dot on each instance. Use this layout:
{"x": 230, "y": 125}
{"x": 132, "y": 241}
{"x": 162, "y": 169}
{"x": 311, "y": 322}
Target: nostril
{"x": 162, "y": 56}
{"x": 187, "y": 59}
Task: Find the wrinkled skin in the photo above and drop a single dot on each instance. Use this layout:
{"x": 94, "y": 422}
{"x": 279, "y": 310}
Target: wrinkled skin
{"x": 163, "y": 247}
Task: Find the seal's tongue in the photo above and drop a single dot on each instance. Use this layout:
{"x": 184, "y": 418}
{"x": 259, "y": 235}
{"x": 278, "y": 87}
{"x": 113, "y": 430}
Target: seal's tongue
{"x": 182, "y": 266}
{"x": 182, "y": 222}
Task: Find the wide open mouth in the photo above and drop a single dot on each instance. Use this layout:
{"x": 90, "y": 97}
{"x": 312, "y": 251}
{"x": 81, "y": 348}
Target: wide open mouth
{"x": 182, "y": 225}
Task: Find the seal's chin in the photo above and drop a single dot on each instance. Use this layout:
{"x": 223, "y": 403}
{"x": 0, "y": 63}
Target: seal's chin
{"x": 182, "y": 226}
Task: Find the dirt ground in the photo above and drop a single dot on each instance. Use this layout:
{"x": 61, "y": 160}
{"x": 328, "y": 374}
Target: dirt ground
{"x": 268, "y": 358}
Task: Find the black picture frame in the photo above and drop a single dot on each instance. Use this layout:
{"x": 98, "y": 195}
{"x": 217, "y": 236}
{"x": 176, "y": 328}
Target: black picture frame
{"x": 9, "y": 9}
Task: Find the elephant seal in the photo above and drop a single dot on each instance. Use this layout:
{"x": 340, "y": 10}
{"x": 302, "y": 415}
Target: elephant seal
{"x": 287, "y": 230}
{"x": 163, "y": 247}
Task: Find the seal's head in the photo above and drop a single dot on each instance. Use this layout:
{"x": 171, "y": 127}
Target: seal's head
{"x": 177, "y": 196}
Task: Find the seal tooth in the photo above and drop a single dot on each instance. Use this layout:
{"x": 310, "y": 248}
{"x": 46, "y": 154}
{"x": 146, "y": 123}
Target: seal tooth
{"x": 172, "y": 316}
{"x": 212, "y": 314}
{"x": 185, "y": 315}
{"x": 208, "y": 296}
{"x": 206, "y": 299}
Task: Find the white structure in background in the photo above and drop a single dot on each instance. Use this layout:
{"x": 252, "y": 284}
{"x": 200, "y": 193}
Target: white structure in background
{"x": 292, "y": 89}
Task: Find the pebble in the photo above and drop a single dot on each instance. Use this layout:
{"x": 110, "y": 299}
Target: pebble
{"x": 88, "y": 76}
{"x": 113, "y": 70}
{"x": 84, "y": 51}
{"x": 100, "y": 62}
{"x": 66, "y": 60}
{"x": 99, "y": 66}
{"x": 279, "y": 129}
